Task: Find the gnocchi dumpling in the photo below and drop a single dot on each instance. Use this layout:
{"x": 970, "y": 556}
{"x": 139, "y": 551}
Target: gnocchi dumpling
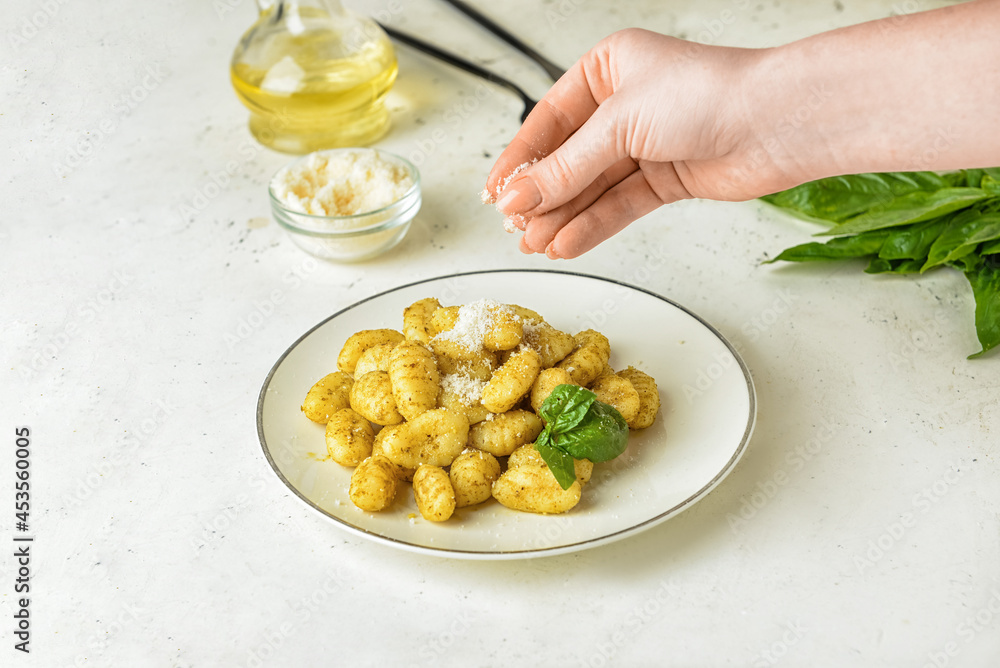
{"x": 359, "y": 342}
{"x": 371, "y": 396}
{"x": 472, "y": 476}
{"x": 617, "y": 391}
{"x": 434, "y": 437}
{"x": 373, "y": 484}
{"x": 349, "y": 437}
{"x": 414, "y": 379}
{"x": 433, "y": 493}
{"x": 505, "y": 433}
{"x": 512, "y": 381}
{"x": 417, "y": 324}
{"x": 331, "y": 393}
{"x": 649, "y": 397}
{"x": 532, "y": 488}
{"x": 587, "y": 361}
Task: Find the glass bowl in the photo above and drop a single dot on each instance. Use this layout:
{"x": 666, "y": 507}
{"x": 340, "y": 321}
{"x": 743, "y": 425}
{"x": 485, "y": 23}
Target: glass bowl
{"x": 354, "y": 237}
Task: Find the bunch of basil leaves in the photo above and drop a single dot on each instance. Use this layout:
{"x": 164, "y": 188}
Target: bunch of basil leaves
{"x": 909, "y": 223}
{"x": 578, "y": 426}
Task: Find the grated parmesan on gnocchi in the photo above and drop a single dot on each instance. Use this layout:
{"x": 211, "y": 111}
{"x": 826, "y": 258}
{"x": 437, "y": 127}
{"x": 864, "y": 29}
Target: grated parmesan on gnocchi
{"x": 452, "y": 403}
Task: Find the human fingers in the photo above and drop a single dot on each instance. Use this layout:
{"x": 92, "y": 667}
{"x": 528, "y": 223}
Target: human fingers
{"x": 567, "y": 171}
{"x": 540, "y": 231}
{"x": 626, "y": 202}
{"x": 560, "y": 112}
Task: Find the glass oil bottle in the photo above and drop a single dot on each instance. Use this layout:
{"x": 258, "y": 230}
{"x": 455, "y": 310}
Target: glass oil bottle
{"x": 314, "y": 76}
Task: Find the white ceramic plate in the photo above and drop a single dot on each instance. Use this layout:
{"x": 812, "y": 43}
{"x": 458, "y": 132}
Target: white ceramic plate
{"x": 707, "y": 416}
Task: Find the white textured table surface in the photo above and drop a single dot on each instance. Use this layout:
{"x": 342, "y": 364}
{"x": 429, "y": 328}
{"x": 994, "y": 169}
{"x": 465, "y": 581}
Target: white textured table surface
{"x": 861, "y": 527}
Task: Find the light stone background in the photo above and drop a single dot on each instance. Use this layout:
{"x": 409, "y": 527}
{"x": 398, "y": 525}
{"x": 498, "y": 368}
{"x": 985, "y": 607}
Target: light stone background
{"x": 860, "y": 529}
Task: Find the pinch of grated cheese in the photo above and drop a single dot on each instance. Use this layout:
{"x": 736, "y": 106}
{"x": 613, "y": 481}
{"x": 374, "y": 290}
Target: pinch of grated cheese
{"x": 504, "y": 182}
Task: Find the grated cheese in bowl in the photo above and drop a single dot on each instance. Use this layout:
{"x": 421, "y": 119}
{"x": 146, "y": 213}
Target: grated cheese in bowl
{"x": 346, "y": 204}
{"x": 342, "y": 183}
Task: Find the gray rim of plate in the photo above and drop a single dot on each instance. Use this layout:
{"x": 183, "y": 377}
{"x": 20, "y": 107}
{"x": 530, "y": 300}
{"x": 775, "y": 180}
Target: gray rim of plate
{"x": 593, "y": 542}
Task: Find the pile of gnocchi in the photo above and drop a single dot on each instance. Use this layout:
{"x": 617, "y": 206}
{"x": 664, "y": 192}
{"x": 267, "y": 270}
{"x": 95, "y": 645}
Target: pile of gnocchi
{"x": 451, "y": 405}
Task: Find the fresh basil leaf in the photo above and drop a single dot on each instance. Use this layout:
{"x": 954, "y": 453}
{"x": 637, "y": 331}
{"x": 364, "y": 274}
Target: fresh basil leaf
{"x": 993, "y": 172}
{"x": 991, "y": 248}
{"x": 970, "y": 262}
{"x": 839, "y": 248}
{"x": 601, "y": 435}
{"x": 838, "y": 198}
{"x": 880, "y": 265}
{"x": 565, "y": 406}
{"x": 909, "y": 266}
{"x": 912, "y": 242}
{"x": 962, "y": 235}
{"x": 559, "y": 462}
{"x": 967, "y": 178}
{"x": 985, "y": 282}
{"x": 911, "y": 208}
{"x": 990, "y": 185}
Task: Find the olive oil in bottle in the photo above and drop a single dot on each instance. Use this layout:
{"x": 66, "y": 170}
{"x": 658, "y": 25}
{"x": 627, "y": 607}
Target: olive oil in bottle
{"x": 314, "y": 76}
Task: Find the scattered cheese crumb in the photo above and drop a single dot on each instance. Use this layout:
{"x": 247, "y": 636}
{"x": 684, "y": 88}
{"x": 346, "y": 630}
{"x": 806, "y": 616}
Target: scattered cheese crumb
{"x": 510, "y": 222}
{"x": 341, "y": 184}
{"x": 503, "y": 183}
{"x": 475, "y": 319}
{"x": 469, "y": 390}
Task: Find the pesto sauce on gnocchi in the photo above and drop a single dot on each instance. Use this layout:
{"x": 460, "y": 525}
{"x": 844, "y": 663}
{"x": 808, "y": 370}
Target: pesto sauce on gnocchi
{"x": 477, "y": 402}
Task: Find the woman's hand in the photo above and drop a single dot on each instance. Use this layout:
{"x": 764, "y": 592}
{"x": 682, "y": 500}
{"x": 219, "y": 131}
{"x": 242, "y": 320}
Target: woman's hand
{"x": 643, "y": 120}
{"x": 640, "y": 121}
